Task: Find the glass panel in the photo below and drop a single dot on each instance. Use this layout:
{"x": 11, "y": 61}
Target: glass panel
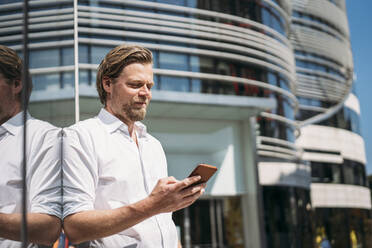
{"x": 212, "y": 223}
{"x": 84, "y": 54}
{"x": 46, "y": 82}
{"x": 44, "y": 58}
{"x": 175, "y": 2}
{"x": 275, "y": 129}
{"x": 67, "y": 56}
{"x": 195, "y": 63}
{"x": 200, "y": 222}
{"x": 83, "y": 77}
{"x": 173, "y": 61}
{"x": 343, "y": 227}
{"x": 98, "y": 53}
{"x": 287, "y": 217}
{"x": 174, "y": 83}
{"x": 196, "y": 85}
{"x": 68, "y": 79}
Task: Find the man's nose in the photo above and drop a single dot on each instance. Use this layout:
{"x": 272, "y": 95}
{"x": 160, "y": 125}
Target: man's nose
{"x": 145, "y": 91}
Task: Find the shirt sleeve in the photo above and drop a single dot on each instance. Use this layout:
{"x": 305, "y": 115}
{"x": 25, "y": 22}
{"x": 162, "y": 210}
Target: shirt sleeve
{"x": 44, "y": 174}
{"x": 79, "y": 172}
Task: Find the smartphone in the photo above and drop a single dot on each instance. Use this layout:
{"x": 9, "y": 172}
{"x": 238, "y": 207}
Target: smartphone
{"x": 206, "y": 171}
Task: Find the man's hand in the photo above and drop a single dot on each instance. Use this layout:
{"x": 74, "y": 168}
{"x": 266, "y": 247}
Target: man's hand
{"x": 170, "y": 195}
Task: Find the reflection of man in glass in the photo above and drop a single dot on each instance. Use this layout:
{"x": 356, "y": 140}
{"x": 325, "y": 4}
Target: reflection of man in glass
{"x": 43, "y": 164}
{"x": 116, "y": 189}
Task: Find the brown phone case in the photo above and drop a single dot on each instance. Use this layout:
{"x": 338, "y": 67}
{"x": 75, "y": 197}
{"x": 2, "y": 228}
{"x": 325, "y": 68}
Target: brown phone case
{"x": 206, "y": 171}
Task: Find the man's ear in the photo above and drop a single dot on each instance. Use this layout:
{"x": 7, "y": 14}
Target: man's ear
{"x": 106, "y": 84}
{"x": 17, "y": 87}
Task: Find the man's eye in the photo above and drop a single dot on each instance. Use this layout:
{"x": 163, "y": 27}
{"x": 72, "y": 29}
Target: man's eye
{"x": 135, "y": 85}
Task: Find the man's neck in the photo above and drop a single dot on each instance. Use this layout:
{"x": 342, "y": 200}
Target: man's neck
{"x": 129, "y": 123}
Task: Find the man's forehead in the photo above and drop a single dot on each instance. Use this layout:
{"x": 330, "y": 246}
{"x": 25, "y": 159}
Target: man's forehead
{"x": 137, "y": 71}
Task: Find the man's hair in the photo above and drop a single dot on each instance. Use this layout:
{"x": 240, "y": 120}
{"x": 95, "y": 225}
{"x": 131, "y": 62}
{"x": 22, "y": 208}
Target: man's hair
{"x": 10, "y": 64}
{"x": 11, "y": 67}
{"x": 115, "y": 61}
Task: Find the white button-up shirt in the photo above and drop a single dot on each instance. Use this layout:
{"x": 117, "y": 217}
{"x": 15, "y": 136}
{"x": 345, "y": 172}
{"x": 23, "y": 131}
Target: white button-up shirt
{"x": 43, "y": 179}
{"x": 104, "y": 169}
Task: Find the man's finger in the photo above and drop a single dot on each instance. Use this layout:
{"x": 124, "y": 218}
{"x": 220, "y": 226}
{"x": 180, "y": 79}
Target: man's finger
{"x": 193, "y": 190}
{"x": 186, "y": 182}
{"x": 187, "y": 201}
{"x": 172, "y": 180}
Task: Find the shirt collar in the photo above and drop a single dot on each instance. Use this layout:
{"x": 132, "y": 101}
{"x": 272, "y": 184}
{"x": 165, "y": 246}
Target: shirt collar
{"x": 15, "y": 124}
{"x": 112, "y": 123}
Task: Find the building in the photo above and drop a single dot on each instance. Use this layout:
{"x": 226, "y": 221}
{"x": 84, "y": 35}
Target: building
{"x": 330, "y": 131}
{"x": 226, "y": 93}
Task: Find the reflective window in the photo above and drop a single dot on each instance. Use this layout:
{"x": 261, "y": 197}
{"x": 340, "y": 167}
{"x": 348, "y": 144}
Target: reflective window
{"x": 51, "y": 57}
{"x": 84, "y": 77}
{"x": 211, "y": 223}
{"x": 350, "y": 172}
{"x": 303, "y": 63}
{"x": 176, "y": 2}
{"x": 326, "y": 173}
{"x": 316, "y": 20}
{"x": 174, "y": 83}
{"x": 68, "y": 80}
{"x": 196, "y": 85}
{"x": 317, "y": 56}
{"x": 283, "y": 106}
{"x": 84, "y": 54}
{"x": 304, "y": 114}
{"x": 346, "y": 119}
{"x": 343, "y": 227}
{"x": 173, "y": 61}
{"x": 97, "y": 53}
{"x": 46, "y": 82}
{"x": 67, "y": 56}
{"x": 44, "y": 58}
{"x": 275, "y": 129}
{"x": 287, "y": 212}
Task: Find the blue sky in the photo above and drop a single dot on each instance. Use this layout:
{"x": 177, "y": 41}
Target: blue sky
{"x": 360, "y": 21}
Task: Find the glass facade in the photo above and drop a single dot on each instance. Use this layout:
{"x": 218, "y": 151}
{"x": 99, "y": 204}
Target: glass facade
{"x": 322, "y": 65}
{"x": 211, "y": 223}
{"x": 288, "y": 216}
{"x": 237, "y": 48}
{"x": 343, "y": 227}
{"x": 349, "y": 172}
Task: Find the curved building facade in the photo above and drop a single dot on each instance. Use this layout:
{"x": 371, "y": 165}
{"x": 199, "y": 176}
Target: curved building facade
{"x": 224, "y": 73}
{"x": 230, "y": 79}
{"x": 329, "y": 117}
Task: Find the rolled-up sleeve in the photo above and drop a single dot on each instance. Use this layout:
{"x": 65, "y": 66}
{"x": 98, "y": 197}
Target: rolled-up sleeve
{"x": 79, "y": 172}
{"x": 44, "y": 174}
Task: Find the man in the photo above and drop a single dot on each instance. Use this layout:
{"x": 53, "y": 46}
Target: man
{"x": 43, "y": 164}
{"x": 116, "y": 189}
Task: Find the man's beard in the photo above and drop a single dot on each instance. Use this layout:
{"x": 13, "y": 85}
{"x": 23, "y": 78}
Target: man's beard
{"x": 134, "y": 114}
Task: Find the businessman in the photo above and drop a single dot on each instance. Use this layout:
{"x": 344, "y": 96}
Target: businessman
{"x": 116, "y": 189}
{"x": 43, "y": 164}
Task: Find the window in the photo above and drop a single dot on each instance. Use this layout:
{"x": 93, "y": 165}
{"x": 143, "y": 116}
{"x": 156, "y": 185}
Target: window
{"x": 97, "y": 53}
{"x": 174, "y": 83}
{"x": 173, "y": 61}
{"x": 350, "y": 172}
{"x": 44, "y": 58}
{"x": 47, "y": 82}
